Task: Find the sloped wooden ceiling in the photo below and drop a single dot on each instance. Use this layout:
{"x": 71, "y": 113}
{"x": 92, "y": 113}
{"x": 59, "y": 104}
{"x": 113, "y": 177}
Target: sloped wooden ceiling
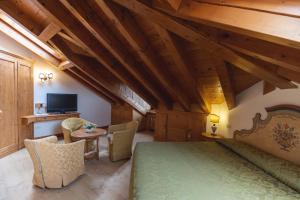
{"x": 191, "y": 53}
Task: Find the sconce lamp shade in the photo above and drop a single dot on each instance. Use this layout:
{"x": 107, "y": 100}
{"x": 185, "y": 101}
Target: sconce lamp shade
{"x": 50, "y": 76}
{"x": 45, "y": 76}
{"x": 214, "y": 118}
{"x": 42, "y": 76}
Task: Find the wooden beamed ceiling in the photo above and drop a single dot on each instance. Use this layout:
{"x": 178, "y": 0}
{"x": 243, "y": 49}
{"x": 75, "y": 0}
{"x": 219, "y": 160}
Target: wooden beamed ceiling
{"x": 169, "y": 52}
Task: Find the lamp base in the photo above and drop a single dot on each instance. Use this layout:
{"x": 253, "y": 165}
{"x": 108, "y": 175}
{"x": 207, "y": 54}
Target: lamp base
{"x": 214, "y": 129}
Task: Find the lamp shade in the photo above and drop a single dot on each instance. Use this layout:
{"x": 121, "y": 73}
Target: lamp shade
{"x": 214, "y": 118}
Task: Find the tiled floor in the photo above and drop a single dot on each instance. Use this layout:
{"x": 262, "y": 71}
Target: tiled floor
{"x": 103, "y": 179}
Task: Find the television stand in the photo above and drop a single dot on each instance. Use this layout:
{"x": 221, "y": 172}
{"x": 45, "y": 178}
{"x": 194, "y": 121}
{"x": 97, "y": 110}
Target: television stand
{"x": 29, "y": 119}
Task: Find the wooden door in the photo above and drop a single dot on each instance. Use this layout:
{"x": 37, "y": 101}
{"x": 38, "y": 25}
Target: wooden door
{"x": 25, "y": 100}
{"x": 8, "y": 115}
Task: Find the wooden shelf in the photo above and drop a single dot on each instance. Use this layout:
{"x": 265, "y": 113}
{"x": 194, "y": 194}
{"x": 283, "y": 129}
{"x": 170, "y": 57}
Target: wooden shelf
{"x": 26, "y": 120}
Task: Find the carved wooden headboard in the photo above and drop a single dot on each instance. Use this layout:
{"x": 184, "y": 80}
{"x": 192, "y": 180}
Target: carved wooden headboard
{"x": 278, "y": 134}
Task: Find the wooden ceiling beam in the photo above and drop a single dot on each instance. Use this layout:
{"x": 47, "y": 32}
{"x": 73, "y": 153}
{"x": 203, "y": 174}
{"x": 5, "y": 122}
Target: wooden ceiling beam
{"x": 59, "y": 15}
{"x": 280, "y": 29}
{"x": 268, "y": 88}
{"x": 76, "y": 47}
{"x": 91, "y": 69}
{"x": 226, "y": 84}
{"x": 85, "y": 13}
{"x": 89, "y": 84}
{"x": 188, "y": 79}
{"x": 27, "y": 43}
{"x": 280, "y": 55}
{"x": 31, "y": 24}
{"x": 279, "y": 7}
{"x": 288, "y": 74}
{"x": 51, "y": 30}
{"x": 65, "y": 65}
{"x": 171, "y": 4}
{"x": 191, "y": 34}
{"x": 127, "y": 26}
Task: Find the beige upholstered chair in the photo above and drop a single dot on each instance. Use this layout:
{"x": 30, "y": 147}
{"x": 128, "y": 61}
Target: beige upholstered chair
{"x": 55, "y": 165}
{"x": 72, "y": 124}
{"x": 120, "y": 142}
{"x": 69, "y": 125}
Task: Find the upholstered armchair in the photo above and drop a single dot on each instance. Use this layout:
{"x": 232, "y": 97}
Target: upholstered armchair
{"x": 72, "y": 124}
{"x": 55, "y": 165}
{"x": 120, "y": 140}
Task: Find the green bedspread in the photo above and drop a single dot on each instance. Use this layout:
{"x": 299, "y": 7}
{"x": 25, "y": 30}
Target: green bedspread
{"x": 200, "y": 171}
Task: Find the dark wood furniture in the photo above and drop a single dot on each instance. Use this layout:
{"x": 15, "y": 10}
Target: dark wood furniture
{"x": 95, "y": 135}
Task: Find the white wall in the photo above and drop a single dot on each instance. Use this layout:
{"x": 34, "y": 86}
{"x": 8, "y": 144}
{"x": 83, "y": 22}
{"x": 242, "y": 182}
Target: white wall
{"x": 250, "y": 102}
{"x": 91, "y": 106}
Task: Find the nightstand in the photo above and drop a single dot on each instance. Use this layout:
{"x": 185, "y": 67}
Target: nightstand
{"x": 209, "y": 137}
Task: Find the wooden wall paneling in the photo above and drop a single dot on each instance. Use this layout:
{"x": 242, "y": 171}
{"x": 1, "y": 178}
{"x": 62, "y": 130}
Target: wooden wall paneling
{"x": 241, "y": 80}
{"x": 149, "y": 121}
{"x": 25, "y": 100}
{"x": 226, "y": 83}
{"x": 8, "y": 105}
{"x": 121, "y": 114}
{"x": 192, "y": 35}
{"x": 160, "y": 126}
{"x": 197, "y": 124}
{"x": 179, "y": 125}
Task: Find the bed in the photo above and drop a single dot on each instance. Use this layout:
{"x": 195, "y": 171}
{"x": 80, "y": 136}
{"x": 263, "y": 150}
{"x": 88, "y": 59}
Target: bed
{"x": 226, "y": 169}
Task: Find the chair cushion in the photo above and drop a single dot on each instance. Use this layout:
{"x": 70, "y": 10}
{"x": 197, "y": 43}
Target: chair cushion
{"x": 285, "y": 171}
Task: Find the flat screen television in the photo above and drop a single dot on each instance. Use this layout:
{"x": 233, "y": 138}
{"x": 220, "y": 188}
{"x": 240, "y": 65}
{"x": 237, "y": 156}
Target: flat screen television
{"x": 61, "y": 103}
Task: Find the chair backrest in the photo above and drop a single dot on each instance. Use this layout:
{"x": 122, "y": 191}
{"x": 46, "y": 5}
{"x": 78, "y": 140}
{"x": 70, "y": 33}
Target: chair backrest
{"x": 31, "y": 146}
{"x": 132, "y": 125}
{"x": 73, "y": 123}
{"x": 69, "y": 125}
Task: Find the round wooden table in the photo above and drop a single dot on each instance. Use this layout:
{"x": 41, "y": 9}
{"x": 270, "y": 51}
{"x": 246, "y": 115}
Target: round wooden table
{"x": 81, "y": 134}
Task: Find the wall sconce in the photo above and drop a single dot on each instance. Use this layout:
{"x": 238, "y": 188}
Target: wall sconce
{"x": 45, "y": 77}
{"x": 215, "y": 120}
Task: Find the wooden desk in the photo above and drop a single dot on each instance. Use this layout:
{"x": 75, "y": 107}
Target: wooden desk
{"x": 26, "y": 120}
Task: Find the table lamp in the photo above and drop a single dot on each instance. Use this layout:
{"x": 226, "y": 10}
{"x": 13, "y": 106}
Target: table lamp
{"x": 215, "y": 120}
{"x": 39, "y": 106}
